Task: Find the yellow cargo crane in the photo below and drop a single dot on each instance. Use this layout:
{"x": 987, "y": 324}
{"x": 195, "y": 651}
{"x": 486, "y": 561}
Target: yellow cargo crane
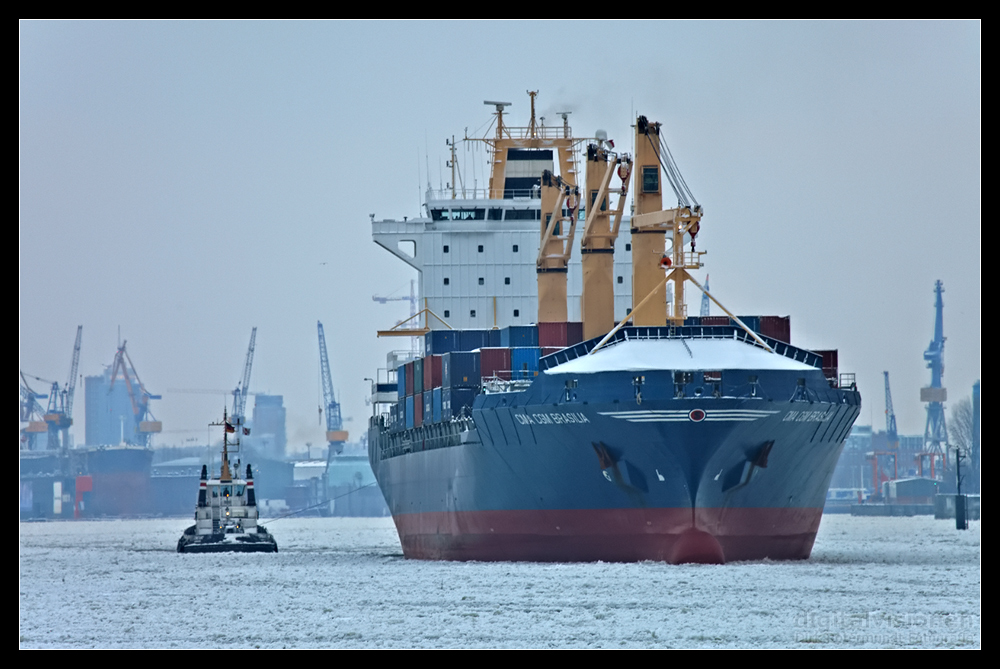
{"x": 653, "y": 265}
{"x": 597, "y": 302}
{"x": 560, "y": 201}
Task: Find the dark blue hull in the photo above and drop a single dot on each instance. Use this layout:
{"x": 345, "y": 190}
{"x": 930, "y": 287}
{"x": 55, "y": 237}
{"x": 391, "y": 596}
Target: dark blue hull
{"x": 598, "y": 467}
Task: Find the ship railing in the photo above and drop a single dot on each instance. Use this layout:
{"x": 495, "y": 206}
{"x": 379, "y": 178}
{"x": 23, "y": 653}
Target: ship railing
{"x": 503, "y": 383}
{"x": 681, "y": 332}
{"x": 438, "y": 195}
{"x": 847, "y": 381}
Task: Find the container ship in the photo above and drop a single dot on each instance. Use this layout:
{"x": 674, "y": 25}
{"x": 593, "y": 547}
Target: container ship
{"x": 564, "y": 406}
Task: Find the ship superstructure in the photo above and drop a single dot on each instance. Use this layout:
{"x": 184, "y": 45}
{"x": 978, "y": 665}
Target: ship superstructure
{"x": 476, "y": 249}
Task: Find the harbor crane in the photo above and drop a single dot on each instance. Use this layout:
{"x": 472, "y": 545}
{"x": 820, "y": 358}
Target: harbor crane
{"x": 58, "y": 416}
{"x": 935, "y": 395}
{"x": 892, "y": 437}
{"x": 145, "y": 424}
{"x": 243, "y": 388}
{"x": 335, "y": 433}
{"x": 30, "y": 412}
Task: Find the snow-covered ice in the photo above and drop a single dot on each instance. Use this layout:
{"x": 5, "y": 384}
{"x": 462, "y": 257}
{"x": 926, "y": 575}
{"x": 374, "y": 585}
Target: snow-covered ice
{"x": 341, "y": 582}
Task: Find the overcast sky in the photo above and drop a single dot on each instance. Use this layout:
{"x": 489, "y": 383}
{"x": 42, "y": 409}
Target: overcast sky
{"x": 187, "y": 181}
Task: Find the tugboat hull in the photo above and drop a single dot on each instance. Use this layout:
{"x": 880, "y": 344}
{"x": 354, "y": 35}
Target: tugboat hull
{"x": 261, "y": 542}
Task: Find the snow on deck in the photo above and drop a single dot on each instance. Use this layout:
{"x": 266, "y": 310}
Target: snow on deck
{"x": 678, "y": 354}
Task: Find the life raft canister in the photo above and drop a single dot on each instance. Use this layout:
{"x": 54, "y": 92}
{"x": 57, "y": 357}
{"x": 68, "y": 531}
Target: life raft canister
{"x": 665, "y": 262}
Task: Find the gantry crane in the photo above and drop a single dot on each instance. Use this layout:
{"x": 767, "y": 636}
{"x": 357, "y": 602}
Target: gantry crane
{"x": 935, "y": 395}
{"x": 243, "y": 388}
{"x": 145, "y": 424}
{"x": 335, "y": 433}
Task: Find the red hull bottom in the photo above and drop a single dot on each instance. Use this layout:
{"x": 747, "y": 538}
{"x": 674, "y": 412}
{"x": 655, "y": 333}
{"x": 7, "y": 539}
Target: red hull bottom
{"x": 710, "y": 536}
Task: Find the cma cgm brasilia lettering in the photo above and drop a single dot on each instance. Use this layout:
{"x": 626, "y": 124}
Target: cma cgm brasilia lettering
{"x": 561, "y": 405}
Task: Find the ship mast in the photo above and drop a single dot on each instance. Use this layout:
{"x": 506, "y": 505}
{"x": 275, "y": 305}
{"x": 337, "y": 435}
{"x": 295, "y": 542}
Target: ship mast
{"x": 225, "y": 474}
{"x": 651, "y": 226}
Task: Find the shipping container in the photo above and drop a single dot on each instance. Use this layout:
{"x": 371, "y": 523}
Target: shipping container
{"x": 830, "y": 363}
{"x": 436, "y": 402}
{"x": 709, "y": 321}
{"x": 428, "y": 407}
{"x": 418, "y": 376}
{"x": 494, "y": 362}
{"x": 777, "y": 327}
{"x": 524, "y": 362}
{"x": 409, "y": 382}
{"x": 409, "y": 411}
{"x": 470, "y": 340}
{"x": 493, "y": 338}
{"x": 519, "y": 336}
{"x": 456, "y": 402}
{"x": 401, "y": 381}
{"x": 418, "y": 410}
{"x": 432, "y": 372}
{"x": 552, "y": 334}
{"x": 439, "y": 342}
{"x": 752, "y": 322}
{"x": 574, "y": 333}
{"x": 460, "y": 369}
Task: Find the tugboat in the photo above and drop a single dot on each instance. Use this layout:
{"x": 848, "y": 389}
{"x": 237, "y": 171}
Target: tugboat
{"x": 226, "y": 514}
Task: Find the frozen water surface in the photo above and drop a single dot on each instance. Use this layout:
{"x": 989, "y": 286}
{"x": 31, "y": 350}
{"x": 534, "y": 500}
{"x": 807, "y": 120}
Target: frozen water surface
{"x": 343, "y": 582}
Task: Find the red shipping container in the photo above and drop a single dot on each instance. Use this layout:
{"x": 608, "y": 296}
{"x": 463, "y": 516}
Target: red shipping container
{"x": 574, "y": 333}
{"x": 409, "y": 379}
{"x": 552, "y": 334}
{"x": 549, "y": 350}
{"x": 432, "y": 372}
{"x": 714, "y": 320}
{"x": 418, "y": 410}
{"x": 830, "y": 363}
{"x": 494, "y": 362}
{"x": 777, "y": 327}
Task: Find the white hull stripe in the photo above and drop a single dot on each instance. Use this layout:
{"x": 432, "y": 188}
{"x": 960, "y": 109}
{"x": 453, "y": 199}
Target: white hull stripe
{"x": 680, "y": 416}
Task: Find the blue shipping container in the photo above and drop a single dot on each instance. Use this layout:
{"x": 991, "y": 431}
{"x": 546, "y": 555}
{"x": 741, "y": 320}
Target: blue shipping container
{"x": 524, "y": 362}
{"x": 409, "y": 412}
{"x": 436, "y": 401}
{"x": 456, "y": 402}
{"x": 428, "y": 407}
{"x": 460, "y": 369}
{"x": 470, "y": 340}
{"x": 518, "y": 336}
{"x": 401, "y": 381}
{"x": 752, "y": 322}
{"x": 439, "y": 342}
